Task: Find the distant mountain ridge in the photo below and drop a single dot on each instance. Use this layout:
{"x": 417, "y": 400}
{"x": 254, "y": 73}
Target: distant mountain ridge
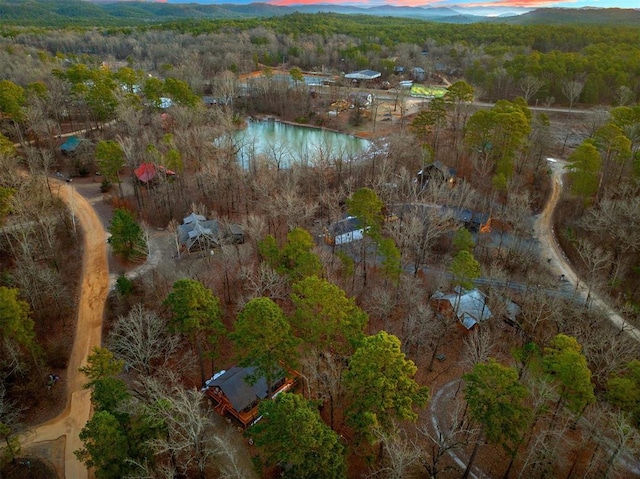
{"x": 581, "y": 16}
{"x": 104, "y": 12}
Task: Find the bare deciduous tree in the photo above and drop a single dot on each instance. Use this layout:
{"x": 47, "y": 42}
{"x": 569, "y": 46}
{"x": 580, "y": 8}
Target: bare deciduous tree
{"x": 401, "y": 455}
{"x": 188, "y": 440}
{"x": 450, "y": 433}
{"x": 612, "y": 224}
{"x": 142, "y": 340}
{"x": 529, "y": 86}
{"x": 382, "y": 302}
{"x": 477, "y": 346}
{"x": 597, "y": 260}
{"x": 572, "y": 90}
{"x": 229, "y": 457}
{"x": 264, "y": 282}
{"x": 417, "y": 231}
{"x": 323, "y": 372}
{"x": 624, "y": 95}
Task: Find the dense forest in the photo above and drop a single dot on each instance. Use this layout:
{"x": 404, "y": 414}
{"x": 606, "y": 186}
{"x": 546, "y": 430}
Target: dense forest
{"x": 549, "y": 387}
{"x": 500, "y": 60}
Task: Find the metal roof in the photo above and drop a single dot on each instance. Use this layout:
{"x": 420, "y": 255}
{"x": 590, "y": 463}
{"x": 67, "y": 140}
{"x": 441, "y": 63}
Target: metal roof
{"x": 235, "y": 386}
{"x": 363, "y": 75}
{"x": 71, "y": 144}
{"x": 468, "y": 305}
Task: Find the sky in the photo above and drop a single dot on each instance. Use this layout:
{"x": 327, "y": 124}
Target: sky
{"x": 528, "y": 4}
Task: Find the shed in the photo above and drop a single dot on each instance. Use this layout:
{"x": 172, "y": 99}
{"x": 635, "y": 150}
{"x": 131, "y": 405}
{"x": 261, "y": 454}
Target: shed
{"x": 237, "y": 233}
{"x": 418, "y": 74}
{"x": 362, "y": 99}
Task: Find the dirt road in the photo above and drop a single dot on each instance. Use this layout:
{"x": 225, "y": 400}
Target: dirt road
{"x": 93, "y": 294}
{"x": 558, "y": 264}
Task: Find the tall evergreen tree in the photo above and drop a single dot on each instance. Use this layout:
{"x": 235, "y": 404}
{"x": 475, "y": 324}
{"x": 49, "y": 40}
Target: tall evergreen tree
{"x": 197, "y": 314}
{"x": 381, "y": 387}
{"x": 264, "y": 340}
{"x": 291, "y": 433}
{"x": 497, "y": 401}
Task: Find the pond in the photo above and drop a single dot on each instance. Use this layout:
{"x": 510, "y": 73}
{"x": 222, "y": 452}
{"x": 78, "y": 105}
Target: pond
{"x": 283, "y": 145}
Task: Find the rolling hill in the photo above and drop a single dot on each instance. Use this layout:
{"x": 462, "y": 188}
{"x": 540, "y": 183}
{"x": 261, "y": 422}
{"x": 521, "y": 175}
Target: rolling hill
{"x": 102, "y": 13}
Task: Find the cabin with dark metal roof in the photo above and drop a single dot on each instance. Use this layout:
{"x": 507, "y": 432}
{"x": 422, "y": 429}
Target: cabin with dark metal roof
{"x": 238, "y": 391}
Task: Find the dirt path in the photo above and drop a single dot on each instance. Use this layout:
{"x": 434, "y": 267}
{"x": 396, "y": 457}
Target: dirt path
{"x": 93, "y": 294}
{"x": 559, "y": 265}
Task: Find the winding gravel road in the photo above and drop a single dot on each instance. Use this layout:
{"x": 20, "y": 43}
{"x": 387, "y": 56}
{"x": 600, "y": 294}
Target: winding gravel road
{"x": 93, "y": 295}
{"x": 95, "y": 287}
{"x": 559, "y": 265}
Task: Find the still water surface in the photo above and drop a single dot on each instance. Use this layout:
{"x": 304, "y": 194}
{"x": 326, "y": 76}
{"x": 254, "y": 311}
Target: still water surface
{"x": 282, "y": 145}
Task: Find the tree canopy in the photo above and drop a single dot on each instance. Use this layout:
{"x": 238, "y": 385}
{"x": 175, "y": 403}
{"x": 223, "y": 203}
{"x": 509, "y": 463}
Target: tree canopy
{"x": 566, "y": 365}
{"x": 295, "y": 258}
{"x": 380, "y": 385}
{"x": 325, "y": 317}
{"x": 292, "y": 433}
{"x": 365, "y": 205}
{"x": 264, "y": 340}
{"x": 497, "y": 401}
{"x": 127, "y": 236}
{"x": 16, "y": 325}
{"x": 196, "y": 313}
{"x": 584, "y": 165}
{"x": 623, "y": 390}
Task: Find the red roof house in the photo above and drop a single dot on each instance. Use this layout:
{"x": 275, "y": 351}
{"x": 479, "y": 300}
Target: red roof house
{"x": 148, "y": 171}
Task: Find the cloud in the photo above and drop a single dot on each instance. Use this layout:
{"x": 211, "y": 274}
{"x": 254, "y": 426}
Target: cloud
{"x": 508, "y": 3}
{"x": 284, "y": 3}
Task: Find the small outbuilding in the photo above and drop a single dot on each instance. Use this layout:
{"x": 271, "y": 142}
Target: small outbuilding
{"x": 360, "y": 99}
{"x": 418, "y": 74}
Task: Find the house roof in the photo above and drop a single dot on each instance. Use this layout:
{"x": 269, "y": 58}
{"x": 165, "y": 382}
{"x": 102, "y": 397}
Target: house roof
{"x": 234, "y": 385}
{"x": 470, "y": 218}
{"x": 71, "y": 144}
{"x": 470, "y": 306}
{"x": 467, "y": 321}
{"x": 363, "y": 75}
{"x": 148, "y": 171}
{"x": 350, "y": 223}
{"x": 192, "y": 218}
{"x": 194, "y": 229}
{"x": 439, "y": 166}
